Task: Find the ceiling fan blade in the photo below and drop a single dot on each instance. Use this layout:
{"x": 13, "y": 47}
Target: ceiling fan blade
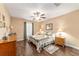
{"x": 40, "y": 19}
{"x": 34, "y": 13}
{"x": 42, "y": 14}
{"x": 43, "y": 17}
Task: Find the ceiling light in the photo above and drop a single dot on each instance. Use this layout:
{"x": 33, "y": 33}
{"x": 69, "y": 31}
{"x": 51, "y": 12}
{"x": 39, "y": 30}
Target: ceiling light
{"x": 38, "y": 16}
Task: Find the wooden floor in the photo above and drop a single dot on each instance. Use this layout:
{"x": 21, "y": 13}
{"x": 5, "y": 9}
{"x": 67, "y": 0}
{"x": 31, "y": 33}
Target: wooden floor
{"x": 29, "y": 49}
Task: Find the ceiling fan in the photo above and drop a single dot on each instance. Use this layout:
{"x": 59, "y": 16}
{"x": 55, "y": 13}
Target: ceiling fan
{"x": 38, "y": 16}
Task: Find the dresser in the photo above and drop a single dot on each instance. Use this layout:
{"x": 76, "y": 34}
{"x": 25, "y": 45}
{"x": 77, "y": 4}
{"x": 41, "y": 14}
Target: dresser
{"x": 8, "y": 46}
{"x": 60, "y": 41}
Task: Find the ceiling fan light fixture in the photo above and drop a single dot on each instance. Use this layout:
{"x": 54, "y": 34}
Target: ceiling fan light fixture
{"x": 38, "y": 15}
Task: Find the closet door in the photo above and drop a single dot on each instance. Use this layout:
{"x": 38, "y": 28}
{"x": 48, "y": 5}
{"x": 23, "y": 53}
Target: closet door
{"x": 29, "y": 29}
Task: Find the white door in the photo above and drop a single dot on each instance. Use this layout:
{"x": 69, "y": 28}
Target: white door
{"x": 29, "y": 29}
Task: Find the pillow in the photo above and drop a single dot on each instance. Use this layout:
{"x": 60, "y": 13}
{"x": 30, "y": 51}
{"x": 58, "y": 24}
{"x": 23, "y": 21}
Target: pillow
{"x": 49, "y": 33}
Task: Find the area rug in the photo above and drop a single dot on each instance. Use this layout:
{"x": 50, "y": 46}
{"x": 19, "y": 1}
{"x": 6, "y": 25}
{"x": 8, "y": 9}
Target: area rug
{"x": 51, "y": 48}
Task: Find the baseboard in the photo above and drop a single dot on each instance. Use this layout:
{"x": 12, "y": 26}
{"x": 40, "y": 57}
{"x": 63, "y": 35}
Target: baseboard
{"x": 75, "y": 47}
{"x": 19, "y": 39}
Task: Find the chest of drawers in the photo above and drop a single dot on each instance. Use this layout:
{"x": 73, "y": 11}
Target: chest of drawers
{"x": 59, "y": 41}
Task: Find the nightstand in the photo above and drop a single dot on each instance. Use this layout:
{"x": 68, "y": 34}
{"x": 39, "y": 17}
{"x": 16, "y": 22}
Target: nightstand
{"x": 60, "y": 41}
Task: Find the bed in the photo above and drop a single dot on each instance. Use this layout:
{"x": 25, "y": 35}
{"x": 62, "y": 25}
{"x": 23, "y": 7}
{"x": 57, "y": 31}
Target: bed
{"x": 42, "y": 40}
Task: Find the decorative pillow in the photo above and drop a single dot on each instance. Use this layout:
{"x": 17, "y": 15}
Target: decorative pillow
{"x": 49, "y": 33}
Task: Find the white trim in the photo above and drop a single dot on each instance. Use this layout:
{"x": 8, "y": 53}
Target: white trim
{"x": 75, "y": 47}
{"x": 19, "y": 39}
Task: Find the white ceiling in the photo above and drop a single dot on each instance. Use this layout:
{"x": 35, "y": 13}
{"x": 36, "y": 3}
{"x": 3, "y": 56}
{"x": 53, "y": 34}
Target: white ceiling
{"x": 25, "y": 10}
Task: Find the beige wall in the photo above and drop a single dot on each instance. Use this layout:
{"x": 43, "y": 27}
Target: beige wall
{"x": 37, "y": 26}
{"x": 68, "y": 23}
{"x": 4, "y": 11}
{"x": 18, "y": 27}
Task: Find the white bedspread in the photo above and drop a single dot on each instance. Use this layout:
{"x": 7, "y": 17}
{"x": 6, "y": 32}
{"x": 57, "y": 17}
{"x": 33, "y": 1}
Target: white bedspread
{"x": 39, "y": 37}
{"x": 41, "y": 40}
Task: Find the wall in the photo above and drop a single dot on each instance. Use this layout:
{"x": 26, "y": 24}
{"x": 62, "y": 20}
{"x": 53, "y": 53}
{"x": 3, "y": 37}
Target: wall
{"x": 69, "y": 24}
{"x": 37, "y": 26}
{"x": 18, "y": 27}
{"x": 4, "y": 11}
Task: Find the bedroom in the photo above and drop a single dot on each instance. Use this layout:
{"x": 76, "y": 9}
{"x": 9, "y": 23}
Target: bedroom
{"x": 43, "y": 29}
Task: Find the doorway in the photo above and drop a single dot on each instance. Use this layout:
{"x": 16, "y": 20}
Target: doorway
{"x": 28, "y": 30}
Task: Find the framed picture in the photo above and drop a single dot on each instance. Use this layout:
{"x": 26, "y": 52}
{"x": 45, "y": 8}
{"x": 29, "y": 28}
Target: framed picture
{"x": 49, "y": 26}
{"x": 3, "y": 17}
{"x": 1, "y": 24}
{"x": 2, "y": 21}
